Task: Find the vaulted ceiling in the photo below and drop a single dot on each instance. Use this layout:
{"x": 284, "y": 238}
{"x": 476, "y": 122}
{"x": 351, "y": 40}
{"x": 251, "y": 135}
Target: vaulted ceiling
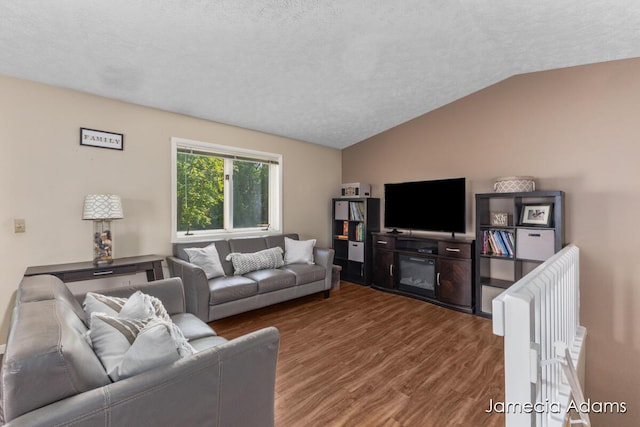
{"x": 329, "y": 72}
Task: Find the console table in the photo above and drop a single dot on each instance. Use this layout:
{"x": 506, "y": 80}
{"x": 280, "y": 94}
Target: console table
{"x": 73, "y": 272}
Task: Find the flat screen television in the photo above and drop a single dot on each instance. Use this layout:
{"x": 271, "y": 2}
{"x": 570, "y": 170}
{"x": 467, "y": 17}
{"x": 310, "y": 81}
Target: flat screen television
{"x": 436, "y": 205}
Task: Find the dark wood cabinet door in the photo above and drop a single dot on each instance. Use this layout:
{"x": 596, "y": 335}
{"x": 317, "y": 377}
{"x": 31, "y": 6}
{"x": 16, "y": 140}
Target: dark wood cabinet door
{"x": 383, "y": 266}
{"x": 454, "y": 281}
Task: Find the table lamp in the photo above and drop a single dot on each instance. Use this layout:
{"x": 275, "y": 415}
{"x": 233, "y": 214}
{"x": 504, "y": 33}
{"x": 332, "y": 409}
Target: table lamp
{"x": 102, "y": 209}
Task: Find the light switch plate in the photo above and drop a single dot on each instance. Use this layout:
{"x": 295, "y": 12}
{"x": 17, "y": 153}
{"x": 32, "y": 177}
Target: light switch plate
{"x": 19, "y": 225}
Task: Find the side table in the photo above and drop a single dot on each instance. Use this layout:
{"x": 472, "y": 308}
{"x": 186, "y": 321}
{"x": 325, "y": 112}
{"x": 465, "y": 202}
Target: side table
{"x": 73, "y": 272}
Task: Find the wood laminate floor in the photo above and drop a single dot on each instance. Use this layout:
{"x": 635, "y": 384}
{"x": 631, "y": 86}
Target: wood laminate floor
{"x": 369, "y": 358}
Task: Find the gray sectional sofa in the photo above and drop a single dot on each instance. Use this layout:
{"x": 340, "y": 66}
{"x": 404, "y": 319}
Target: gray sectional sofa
{"x": 51, "y": 375}
{"x": 229, "y": 294}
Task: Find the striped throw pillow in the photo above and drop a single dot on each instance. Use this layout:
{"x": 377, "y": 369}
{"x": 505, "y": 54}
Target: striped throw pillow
{"x": 128, "y": 347}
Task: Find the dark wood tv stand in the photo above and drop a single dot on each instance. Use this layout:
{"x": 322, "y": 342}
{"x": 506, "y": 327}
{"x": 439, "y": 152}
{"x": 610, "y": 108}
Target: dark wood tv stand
{"x": 433, "y": 269}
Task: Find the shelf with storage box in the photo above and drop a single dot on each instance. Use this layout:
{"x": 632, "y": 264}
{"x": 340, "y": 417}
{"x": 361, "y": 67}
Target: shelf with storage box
{"x": 437, "y": 270}
{"x": 515, "y": 232}
{"x": 354, "y": 219}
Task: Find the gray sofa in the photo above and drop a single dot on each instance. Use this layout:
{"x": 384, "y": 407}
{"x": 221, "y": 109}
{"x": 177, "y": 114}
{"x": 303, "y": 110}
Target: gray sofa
{"x": 51, "y": 376}
{"x": 220, "y": 297}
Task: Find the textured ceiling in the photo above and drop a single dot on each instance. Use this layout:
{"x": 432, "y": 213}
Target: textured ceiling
{"x": 327, "y": 72}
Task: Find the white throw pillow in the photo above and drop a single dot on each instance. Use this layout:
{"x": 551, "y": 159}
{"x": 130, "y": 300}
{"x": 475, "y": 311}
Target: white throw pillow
{"x": 208, "y": 259}
{"x": 142, "y": 306}
{"x": 128, "y": 347}
{"x": 138, "y": 306}
{"x": 298, "y": 251}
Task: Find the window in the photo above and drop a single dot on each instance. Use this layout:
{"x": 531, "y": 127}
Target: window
{"x": 221, "y": 190}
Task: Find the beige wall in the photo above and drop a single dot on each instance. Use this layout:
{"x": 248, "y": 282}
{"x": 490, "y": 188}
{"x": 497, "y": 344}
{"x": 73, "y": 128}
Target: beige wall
{"x": 575, "y": 129}
{"x": 45, "y": 174}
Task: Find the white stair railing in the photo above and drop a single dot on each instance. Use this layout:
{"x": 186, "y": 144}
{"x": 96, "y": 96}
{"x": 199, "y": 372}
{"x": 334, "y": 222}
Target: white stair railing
{"x": 544, "y": 344}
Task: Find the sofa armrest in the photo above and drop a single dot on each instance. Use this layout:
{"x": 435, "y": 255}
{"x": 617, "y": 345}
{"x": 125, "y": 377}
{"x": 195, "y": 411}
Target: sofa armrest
{"x": 324, "y": 258}
{"x": 248, "y": 377}
{"x": 196, "y": 286}
{"x": 232, "y": 384}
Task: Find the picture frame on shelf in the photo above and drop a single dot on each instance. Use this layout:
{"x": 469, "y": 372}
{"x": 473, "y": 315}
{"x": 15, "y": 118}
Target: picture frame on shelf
{"x": 536, "y": 214}
{"x": 499, "y": 219}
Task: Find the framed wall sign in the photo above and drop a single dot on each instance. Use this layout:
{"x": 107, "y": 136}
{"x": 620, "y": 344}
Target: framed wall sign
{"x": 98, "y": 138}
{"x": 536, "y": 215}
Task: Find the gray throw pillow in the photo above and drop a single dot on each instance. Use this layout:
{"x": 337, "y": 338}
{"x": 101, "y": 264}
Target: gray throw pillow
{"x": 247, "y": 262}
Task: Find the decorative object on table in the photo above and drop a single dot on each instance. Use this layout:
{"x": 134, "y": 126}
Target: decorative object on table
{"x": 514, "y": 184}
{"x": 355, "y": 189}
{"x": 102, "y": 209}
{"x": 98, "y": 138}
{"x": 538, "y": 214}
{"x": 500, "y": 219}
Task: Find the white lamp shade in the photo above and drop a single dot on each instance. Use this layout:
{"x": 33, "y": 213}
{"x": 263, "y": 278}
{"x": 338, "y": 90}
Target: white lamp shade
{"x": 102, "y": 206}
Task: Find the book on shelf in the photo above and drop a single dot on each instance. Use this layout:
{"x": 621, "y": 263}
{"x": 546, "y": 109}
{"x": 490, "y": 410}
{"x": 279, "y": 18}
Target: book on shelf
{"x": 497, "y": 248}
{"x": 360, "y": 232}
{"x": 512, "y": 240}
{"x": 488, "y": 246}
{"x": 342, "y": 237}
{"x": 345, "y": 228}
{"x": 486, "y": 249}
{"x": 507, "y": 236}
{"x": 498, "y": 242}
{"x": 503, "y": 247}
{"x": 356, "y": 211}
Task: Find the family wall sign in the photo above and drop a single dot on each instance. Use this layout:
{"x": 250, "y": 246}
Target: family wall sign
{"x": 98, "y": 138}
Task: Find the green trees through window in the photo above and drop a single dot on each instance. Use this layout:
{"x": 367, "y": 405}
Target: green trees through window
{"x": 216, "y": 192}
{"x": 250, "y": 194}
{"x": 200, "y": 189}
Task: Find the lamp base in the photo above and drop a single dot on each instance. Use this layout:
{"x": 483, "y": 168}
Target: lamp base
{"x": 102, "y": 242}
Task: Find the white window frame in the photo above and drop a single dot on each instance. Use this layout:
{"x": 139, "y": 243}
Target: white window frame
{"x": 275, "y": 191}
